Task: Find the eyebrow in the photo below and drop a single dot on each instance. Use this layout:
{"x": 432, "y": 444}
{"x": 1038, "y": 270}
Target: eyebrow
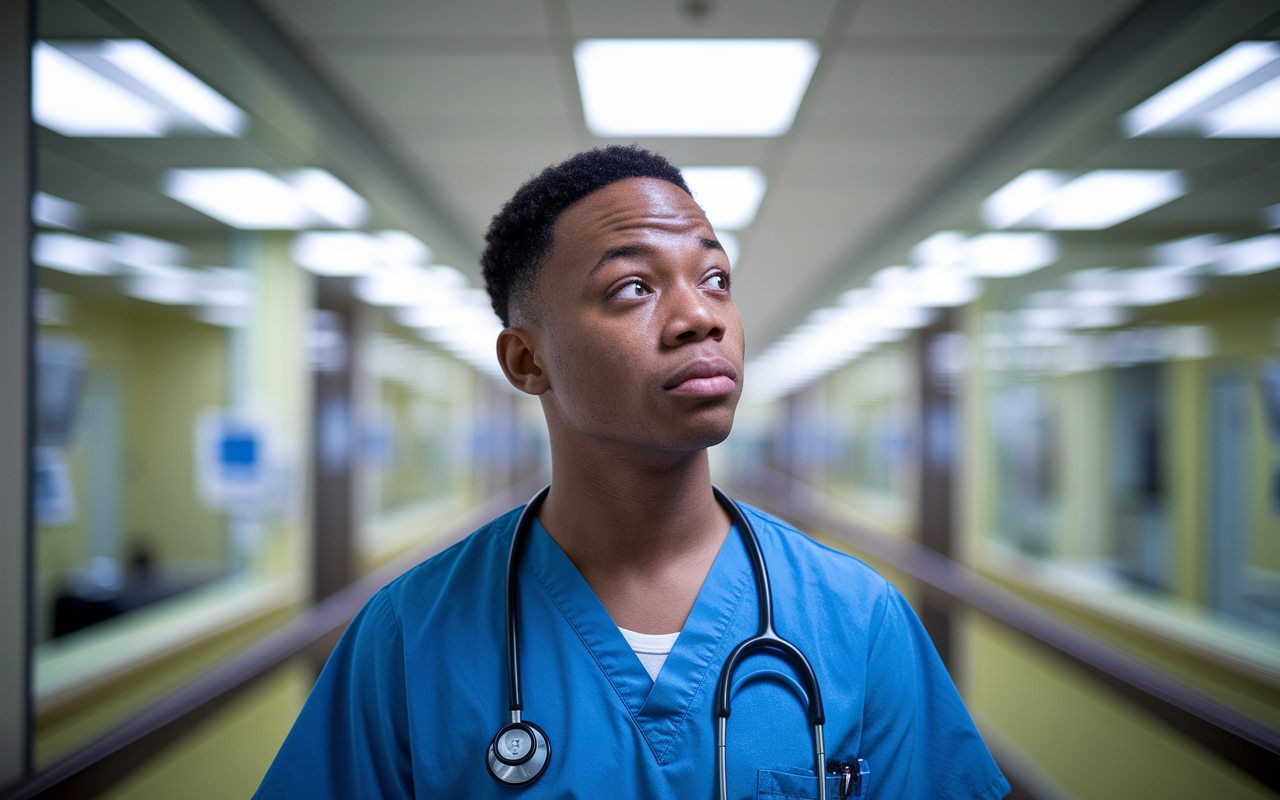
{"x": 628, "y": 250}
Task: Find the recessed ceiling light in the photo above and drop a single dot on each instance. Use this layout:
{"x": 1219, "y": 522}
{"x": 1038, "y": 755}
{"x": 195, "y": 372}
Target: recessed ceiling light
{"x": 1249, "y": 256}
{"x": 143, "y": 252}
{"x": 1253, "y": 115}
{"x": 333, "y": 252}
{"x": 1107, "y": 197}
{"x": 989, "y": 255}
{"x": 1095, "y": 200}
{"x": 1188, "y": 105}
{"x": 1189, "y": 251}
{"x": 353, "y": 253}
{"x": 1021, "y": 197}
{"x": 257, "y": 200}
{"x": 124, "y": 88}
{"x": 1155, "y": 286}
{"x": 70, "y": 253}
{"x": 693, "y": 87}
{"x": 730, "y": 196}
{"x": 54, "y": 212}
{"x": 329, "y": 198}
{"x": 1005, "y": 255}
{"x": 242, "y": 198}
{"x": 74, "y": 100}
{"x": 170, "y": 286}
{"x": 157, "y": 72}
{"x": 943, "y": 247}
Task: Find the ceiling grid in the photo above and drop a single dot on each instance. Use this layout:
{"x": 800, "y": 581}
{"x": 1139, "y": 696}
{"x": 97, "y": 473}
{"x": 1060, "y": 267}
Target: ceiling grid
{"x": 484, "y": 94}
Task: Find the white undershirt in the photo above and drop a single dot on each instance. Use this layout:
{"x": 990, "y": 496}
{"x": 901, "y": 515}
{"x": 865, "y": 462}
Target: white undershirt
{"x": 651, "y": 648}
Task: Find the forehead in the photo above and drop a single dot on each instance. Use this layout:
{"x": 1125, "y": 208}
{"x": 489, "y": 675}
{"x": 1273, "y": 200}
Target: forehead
{"x": 629, "y": 207}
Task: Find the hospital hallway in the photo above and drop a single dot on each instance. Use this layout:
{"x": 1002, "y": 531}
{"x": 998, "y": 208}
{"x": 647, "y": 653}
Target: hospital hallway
{"x": 1009, "y": 276}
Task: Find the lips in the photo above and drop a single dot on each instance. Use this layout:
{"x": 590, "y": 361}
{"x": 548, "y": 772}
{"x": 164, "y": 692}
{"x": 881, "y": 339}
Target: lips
{"x": 706, "y": 377}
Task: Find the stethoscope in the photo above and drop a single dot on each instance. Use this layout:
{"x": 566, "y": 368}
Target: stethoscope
{"x": 519, "y": 752}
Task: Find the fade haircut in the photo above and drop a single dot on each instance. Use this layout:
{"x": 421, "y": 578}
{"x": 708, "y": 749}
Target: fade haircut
{"x": 519, "y": 236}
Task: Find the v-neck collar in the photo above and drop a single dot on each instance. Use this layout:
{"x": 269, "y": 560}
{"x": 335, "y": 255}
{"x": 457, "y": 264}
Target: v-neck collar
{"x": 659, "y": 708}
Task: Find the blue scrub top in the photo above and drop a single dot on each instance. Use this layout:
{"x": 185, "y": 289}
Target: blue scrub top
{"x": 411, "y": 697}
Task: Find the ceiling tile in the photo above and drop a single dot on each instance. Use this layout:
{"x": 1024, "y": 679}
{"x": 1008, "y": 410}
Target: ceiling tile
{"x": 494, "y": 127}
{"x": 704, "y": 152}
{"x": 429, "y": 85}
{"x": 928, "y": 86}
{"x": 672, "y": 18}
{"x": 413, "y": 17}
{"x": 889, "y": 130}
{"x": 855, "y": 177}
{"x": 951, "y": 18}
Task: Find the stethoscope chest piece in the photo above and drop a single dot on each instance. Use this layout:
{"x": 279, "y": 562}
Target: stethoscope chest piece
{"x": 518, "y": 754}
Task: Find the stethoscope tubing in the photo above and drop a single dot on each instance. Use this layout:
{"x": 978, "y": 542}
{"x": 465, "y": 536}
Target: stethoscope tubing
{"x": 765, "y": 638}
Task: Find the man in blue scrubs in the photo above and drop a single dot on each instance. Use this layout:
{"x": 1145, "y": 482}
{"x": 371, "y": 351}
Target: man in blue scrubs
{"x": 634, "y": 583}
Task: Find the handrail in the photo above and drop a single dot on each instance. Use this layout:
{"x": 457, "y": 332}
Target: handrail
{"x": 1250, "y": 745}
{"x": 96, "y": 767}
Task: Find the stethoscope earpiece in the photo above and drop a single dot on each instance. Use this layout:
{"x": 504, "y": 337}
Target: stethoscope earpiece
{"x": 518, "y": 754}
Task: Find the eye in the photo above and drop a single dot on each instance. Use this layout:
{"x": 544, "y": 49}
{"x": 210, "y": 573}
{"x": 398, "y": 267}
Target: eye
{"x": 634, "y": 289}
{"x": 718, "y": 281}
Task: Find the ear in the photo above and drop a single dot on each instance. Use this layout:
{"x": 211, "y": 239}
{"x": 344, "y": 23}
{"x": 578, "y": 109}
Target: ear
{"x": 517, "y": 348}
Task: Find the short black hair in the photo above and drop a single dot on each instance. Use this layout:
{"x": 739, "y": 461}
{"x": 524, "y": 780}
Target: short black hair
{"x": 520, "y": 234}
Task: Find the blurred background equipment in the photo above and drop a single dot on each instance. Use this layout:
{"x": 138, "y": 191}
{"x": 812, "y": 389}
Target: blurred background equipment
{"x": 1010, "y": 276}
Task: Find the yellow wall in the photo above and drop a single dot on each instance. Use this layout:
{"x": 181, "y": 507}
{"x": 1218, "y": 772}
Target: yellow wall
{"x": 180, "y": 370}
{"x": 227, "y": 756}
{"x": 167, "y": 367}
{"x": 1091, "y": 741}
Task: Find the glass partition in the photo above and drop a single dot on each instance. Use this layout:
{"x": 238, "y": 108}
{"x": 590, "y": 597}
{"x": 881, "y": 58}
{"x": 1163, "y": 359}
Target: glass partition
{"x": 1142, "y": 455}
{"x": 869, "y": 461}
{"x": 187, "y": 199}
{"x": 1116, "y": 264}
{"x": 418, "y": 449}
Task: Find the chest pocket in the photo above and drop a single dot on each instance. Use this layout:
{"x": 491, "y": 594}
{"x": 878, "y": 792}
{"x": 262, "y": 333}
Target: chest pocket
{"x": 772, "y": 784}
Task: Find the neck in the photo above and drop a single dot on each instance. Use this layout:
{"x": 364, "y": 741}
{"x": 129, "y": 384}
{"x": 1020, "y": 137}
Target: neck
{"x": 642, "y": 531}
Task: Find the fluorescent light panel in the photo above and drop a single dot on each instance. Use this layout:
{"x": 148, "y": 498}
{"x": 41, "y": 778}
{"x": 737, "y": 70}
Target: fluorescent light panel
{"x": 253, "y": 199}
{"x": 1168, "y": 110}
{"x": 352, "y": 253}
{"x": 1271, "y": 216}
{"x": 54, "y": 212}
{"x": 1107, "y": 197}
{"x": 329, "y": 198}
{"x": 77, "y": 255}
{"x": 1250, "y": 256}
{"x": 1254, "y": 115}
{"x": 74, "y": 100}
{"x": 1234, "y": 94}
{"x": 157, "y": 72}
{"x": 952, "y": 256}
{"x": 1093, "y": 201}
{"x": 730, "y": 196}
{"x": 1006, "y": 255}
{"x": 693, "y": 87}
{"x": 124, "y": 88}
{"x": 1021, "y": 197}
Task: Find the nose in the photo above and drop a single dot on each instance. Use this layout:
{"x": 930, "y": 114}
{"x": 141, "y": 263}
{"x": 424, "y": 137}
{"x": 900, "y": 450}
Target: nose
{"x": 691, "y": 317}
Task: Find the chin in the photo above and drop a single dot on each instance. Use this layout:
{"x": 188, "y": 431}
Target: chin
{"x": 709, "y": 431}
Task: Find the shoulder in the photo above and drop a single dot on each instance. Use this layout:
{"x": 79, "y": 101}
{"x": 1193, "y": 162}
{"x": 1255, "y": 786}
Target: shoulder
{"x": 456, "y": 575}
{"x": 810, "y": 559}
{"x": 822, "y": 578}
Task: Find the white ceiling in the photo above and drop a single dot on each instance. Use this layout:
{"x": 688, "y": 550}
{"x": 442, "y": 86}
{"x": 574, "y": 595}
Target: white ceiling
{"x": 482, "y": 94}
